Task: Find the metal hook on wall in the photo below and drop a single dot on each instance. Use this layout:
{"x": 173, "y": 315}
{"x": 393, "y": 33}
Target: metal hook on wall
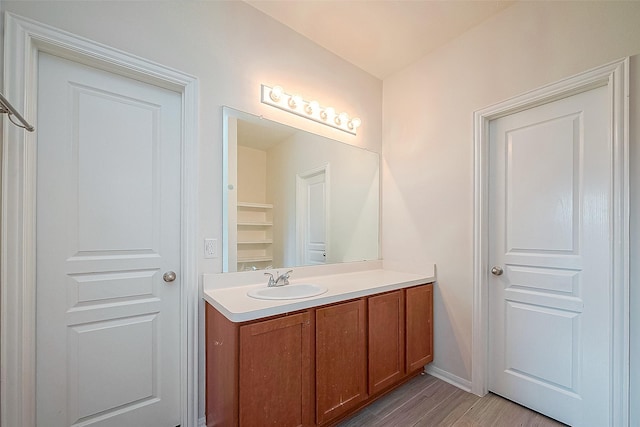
{"x": 7, "y": 108}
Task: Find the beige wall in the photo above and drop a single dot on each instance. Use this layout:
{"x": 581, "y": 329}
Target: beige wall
{"x": 428, "y": 141}
{"x": 252, "y": 175}
{"x": 231, "y": 48}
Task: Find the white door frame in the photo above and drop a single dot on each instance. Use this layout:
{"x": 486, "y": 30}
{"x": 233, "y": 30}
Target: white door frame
{"x": 24, "y": 39}
{"x": 615, "y": 76}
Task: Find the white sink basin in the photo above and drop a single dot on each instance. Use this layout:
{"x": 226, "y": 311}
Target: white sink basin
{"x": 294, "y": 291}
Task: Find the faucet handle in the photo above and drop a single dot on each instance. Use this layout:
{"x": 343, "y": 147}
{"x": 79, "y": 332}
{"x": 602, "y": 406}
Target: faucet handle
{"x": 272, "y": 282}
{"x": 285, "y": 277}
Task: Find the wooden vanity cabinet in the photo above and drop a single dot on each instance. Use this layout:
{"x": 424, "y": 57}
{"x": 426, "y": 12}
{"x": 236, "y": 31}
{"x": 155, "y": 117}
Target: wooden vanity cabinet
{"x": 317, "y": 366}
{"x": 260, "y": 373}
{"x": 341, "y": 361}
{"x": 419, "y": 327}
{"x": 386, "y": 320}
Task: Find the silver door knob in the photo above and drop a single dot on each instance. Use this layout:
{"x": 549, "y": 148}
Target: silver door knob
{"x": 169, "y": 276}
{"x": 496, "y": 270}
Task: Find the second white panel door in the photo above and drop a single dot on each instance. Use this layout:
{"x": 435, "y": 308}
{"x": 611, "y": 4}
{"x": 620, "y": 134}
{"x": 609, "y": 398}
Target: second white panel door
{"x": 550, "y": 294}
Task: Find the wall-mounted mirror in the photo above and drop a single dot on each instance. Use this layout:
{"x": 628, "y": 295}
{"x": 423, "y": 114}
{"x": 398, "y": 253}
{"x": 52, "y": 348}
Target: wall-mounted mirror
{"x": 293, "y": 198}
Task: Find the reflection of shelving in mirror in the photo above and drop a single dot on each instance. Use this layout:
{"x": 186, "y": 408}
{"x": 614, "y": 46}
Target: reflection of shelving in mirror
{"x": 254, "y": 259}
{"x": 255, "y": 235}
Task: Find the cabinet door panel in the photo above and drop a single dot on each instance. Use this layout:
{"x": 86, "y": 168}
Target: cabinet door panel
{"x": 386, "y": 340}
{"x": 340, "y": 359}
{"x": 419, "y": 315}
{"x": 275, "y": 372}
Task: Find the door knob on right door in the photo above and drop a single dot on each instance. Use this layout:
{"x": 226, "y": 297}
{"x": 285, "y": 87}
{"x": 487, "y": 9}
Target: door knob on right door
{"x": 496, "y": 270}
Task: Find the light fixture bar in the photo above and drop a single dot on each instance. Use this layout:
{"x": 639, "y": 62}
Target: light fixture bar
{"x": 276, "y": 97}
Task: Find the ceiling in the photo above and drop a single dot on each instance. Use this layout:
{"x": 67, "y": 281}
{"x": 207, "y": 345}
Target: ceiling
{"x": 380, "y": 36}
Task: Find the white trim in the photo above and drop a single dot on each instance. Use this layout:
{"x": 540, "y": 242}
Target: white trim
{"x": 24, "y": 39}
{"x": 229, "y": 191}
{"x": 615, "y": 76}
{"x": 448, "y": 377}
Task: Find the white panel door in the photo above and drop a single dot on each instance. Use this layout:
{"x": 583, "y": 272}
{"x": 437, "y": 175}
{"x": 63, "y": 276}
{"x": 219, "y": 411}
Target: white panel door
{"x": 550, "y": 221}
{"x": 314, "y": 200}
{"x": 108, "y": 227}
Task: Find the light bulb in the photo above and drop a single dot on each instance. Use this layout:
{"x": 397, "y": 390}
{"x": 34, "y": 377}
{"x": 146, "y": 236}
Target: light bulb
{"x": 276, "y": 93}
{"x": 327, "y": 112}
{"x": 354, "y": 123}
{"x": 294, "y": 101}
{"x": 311, "y": 107}
{"x": 341, "y": 118}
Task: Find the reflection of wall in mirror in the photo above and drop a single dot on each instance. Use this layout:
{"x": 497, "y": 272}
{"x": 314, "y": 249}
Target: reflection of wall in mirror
{"x": 353, "y": 214}
{"x": 252, "y": 173}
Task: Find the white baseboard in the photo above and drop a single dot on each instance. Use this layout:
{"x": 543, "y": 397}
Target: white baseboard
{"x": 202, "y": 422}
{"x": 454, "y": 380}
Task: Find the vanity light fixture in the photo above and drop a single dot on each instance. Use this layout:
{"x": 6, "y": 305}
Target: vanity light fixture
{"x": 276, "y": 97}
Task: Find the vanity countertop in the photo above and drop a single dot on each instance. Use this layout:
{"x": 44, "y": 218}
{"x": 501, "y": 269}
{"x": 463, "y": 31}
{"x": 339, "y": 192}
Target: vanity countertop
{"x": 234, "y": 303}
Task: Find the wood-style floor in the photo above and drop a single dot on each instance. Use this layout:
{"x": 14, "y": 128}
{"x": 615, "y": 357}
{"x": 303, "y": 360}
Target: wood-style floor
{"x": 428, "y": 401}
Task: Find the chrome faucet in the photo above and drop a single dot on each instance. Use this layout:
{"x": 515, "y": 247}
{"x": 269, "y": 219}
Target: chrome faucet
{"x": 272, "y": 282}
{"x": 276, "y": 282}
{"x": 284, "y": 277}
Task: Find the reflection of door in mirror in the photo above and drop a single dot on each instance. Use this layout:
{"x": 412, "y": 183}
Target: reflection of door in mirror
{"x": 311, "y": 216}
